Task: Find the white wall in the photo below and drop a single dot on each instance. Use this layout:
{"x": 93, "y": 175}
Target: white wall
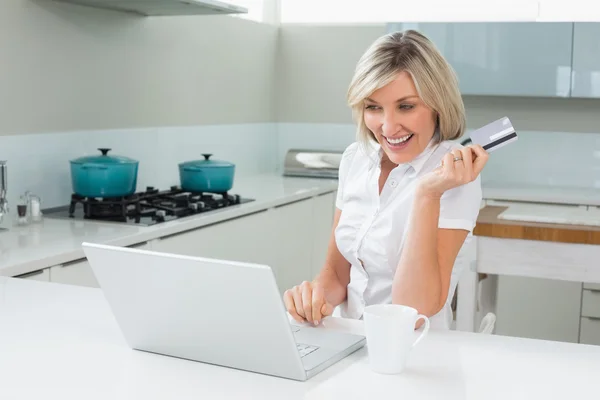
{"x": 559, "y": 138}
{"x": 161, "y": 90}
{"x": 67, "y": 67}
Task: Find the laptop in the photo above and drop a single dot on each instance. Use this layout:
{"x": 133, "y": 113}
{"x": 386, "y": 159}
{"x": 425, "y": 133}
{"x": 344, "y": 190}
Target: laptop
{"x": 218, "y": 312}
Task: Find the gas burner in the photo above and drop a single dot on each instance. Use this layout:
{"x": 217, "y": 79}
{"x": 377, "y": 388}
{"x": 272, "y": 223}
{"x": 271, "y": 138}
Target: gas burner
{"x": 146, "y": 207}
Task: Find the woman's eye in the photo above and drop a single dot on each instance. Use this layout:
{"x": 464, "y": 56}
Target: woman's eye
{"x": 370, "y": 107}
{"x": 406, "y": 106}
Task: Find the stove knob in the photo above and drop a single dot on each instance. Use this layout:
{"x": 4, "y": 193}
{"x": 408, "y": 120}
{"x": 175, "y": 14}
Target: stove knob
{"x": 174, "y": 188}
{"x": 201, "y": 205}
{"x": 149, "y": 188}
{"x": 238, "y": 199}
{"x": 193, "y": 206}
{"x": 161, "y": 214}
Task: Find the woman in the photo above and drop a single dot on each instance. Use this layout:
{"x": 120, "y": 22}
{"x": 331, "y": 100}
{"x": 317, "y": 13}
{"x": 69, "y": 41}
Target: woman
{"x": 408, "y": 198}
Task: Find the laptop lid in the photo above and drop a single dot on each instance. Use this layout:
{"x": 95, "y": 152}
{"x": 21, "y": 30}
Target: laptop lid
{"x": 214, "y": 311}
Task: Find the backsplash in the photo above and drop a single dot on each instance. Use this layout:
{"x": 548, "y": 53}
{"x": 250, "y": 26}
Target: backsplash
{"x": 561, "y": 159}
{"x": 40, "y": 162}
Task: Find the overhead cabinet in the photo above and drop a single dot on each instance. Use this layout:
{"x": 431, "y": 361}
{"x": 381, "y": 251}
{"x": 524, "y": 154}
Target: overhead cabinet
{"x": 162, "y": 7}
{"x": 586, "y": 60}
{"x": 537, "y": 59}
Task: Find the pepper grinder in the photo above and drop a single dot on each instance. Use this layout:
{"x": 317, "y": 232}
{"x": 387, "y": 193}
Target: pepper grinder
{"x": 22, "y": 216}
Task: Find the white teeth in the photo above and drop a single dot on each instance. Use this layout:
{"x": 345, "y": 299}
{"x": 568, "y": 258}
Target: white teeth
{"x": 399, "y": 140}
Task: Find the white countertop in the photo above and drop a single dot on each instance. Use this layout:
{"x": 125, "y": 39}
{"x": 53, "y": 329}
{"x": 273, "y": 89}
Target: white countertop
{"x": 52, "y": 242}
{"x": 62, "y": 342}
{"x": 541, "y": 194}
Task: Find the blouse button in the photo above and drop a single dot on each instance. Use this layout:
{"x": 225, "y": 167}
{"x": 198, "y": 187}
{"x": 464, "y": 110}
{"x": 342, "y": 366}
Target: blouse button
{"x": 393, "y": 183}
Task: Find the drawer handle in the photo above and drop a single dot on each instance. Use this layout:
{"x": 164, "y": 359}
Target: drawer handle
{"x": 69, "y": 263}
{"x": 34, "y": 273}
{"x": 592, "y": 318}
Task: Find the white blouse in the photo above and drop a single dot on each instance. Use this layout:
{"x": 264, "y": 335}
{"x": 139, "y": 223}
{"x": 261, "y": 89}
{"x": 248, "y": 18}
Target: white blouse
{"x": 372, "y": 227}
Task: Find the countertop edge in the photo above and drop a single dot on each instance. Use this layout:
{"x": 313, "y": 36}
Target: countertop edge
{"x": 169, "y": 228}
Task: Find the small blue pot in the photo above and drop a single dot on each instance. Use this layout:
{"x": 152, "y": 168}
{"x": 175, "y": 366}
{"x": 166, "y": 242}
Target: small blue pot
{"x": 206, "y": 175}
{"x": 104, "y": 175}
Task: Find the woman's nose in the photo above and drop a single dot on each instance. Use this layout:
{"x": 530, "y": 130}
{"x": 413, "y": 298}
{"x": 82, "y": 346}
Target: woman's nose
{"x": 390, "y": 123}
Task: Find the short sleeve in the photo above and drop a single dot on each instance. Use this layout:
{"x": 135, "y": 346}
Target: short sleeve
{"x": 344, "y": 169}
{"x": 459, "y": 207}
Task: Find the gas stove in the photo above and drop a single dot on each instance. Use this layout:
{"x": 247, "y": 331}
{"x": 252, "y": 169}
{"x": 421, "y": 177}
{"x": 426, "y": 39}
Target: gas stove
{"x": 146, "y": 208}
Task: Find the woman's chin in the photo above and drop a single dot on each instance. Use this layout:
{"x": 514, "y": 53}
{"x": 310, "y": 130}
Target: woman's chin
{"x": 400, "y": 153}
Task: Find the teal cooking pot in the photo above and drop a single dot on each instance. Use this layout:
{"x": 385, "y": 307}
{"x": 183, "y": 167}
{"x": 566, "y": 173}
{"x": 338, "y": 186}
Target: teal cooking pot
{"x": 215, "y": 176}
{"x": 104, "y": 175}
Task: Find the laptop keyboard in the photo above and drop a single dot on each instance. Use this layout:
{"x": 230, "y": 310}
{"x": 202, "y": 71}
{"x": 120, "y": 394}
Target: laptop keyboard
{"x": 305, "y": 349}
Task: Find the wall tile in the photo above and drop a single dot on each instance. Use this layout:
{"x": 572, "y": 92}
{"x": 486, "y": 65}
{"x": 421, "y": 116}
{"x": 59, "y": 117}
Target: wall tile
{"x": 40, "y": 162}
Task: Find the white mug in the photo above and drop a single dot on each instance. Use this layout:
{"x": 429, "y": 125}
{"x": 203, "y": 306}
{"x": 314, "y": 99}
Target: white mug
{"x": 390, "y": 331}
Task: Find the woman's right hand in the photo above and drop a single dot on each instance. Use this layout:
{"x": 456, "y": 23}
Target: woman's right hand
{"x": 306, "y": 302}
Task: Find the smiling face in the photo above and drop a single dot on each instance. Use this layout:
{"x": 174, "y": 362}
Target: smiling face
{"x": 400, "y": 121}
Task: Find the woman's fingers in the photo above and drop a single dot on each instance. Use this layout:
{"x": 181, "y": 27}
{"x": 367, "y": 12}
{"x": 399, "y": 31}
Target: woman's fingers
{"x": 297, "y": 294}
{"x": 467, "y": 162}
{"x": 290, "y": 305}
{"x": 480, "y": 159}
{"x": 307, "y": 294}
{"x": 318, "y": 299}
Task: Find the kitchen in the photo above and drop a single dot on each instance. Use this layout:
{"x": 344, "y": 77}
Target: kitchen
{"x": 166, "y": 90}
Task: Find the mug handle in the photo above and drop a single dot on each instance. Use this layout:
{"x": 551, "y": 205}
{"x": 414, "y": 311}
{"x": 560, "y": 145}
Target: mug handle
{"x": 425, "y": 329}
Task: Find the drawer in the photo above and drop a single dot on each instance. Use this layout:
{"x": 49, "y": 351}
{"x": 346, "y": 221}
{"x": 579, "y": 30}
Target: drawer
{"x": 590, "y": 303}
{"x": 591, "y": 286}
{"x": 590, "y": 331}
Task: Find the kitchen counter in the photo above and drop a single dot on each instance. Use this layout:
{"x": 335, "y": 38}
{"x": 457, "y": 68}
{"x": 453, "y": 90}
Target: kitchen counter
{"x": 62, "y": 341}
{"x": 52, "y": 242}
{"x": 541, "y": 194}
{"x": 488, "y": 224}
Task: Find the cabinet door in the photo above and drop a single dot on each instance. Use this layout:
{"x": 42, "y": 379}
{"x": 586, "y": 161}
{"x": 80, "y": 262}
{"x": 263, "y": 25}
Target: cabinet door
{"x": 586, "y": 60}
{"x": 77, "y": 272}
{"x": 247, "y": 239}
{"x": 505, "y": 58}
{"x": 538, "y": 308}
{"x": 293, "y": 244}
{"x": 323, "y": 213}
{"x": 41, "y": 275}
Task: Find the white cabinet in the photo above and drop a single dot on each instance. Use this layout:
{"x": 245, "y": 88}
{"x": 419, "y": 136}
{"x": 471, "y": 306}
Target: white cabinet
{"x": 78, "y": 272}
{"x": 291, "y": 239}
{"x": 586, "y": 60}
{"x": 323, "y": 214}
{"x": 294, "y": 242}
{"x": 41, "y": 275}
{"x": 248, "y": 239}
{"x": 538, "y": 308}
{"x": 505, "y": 58}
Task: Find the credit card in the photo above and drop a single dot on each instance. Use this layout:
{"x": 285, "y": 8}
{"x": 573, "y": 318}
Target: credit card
{"x": 495, "y": 135}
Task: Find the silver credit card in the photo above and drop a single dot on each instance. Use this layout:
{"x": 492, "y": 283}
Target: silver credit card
{"x": 495, "y": 135}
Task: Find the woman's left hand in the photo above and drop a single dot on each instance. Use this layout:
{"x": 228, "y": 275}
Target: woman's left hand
{"x": 459, "y": 167}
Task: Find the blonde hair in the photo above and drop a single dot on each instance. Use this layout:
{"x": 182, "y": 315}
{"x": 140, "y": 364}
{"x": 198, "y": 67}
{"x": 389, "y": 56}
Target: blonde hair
{"x": 434, "y": 79}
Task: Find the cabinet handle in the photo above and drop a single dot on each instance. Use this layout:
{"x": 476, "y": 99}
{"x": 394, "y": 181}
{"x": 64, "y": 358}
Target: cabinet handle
{"x": 592, "y": 318}
{"x": 293, "y": 202}
{"x": 34, "y": 273}
{"x": 210, "y": 225}
{"x": 68, "y": 263}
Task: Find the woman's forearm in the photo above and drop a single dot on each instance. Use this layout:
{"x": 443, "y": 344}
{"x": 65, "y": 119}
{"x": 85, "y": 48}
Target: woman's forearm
{"x": 417, "y": 282}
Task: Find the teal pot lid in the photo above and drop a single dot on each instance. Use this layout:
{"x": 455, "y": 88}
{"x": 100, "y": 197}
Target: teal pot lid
{"x": 104, "y": 158}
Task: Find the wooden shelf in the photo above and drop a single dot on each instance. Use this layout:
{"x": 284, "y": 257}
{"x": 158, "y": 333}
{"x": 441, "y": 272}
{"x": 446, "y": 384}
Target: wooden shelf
{"x": 488, "y": 224}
